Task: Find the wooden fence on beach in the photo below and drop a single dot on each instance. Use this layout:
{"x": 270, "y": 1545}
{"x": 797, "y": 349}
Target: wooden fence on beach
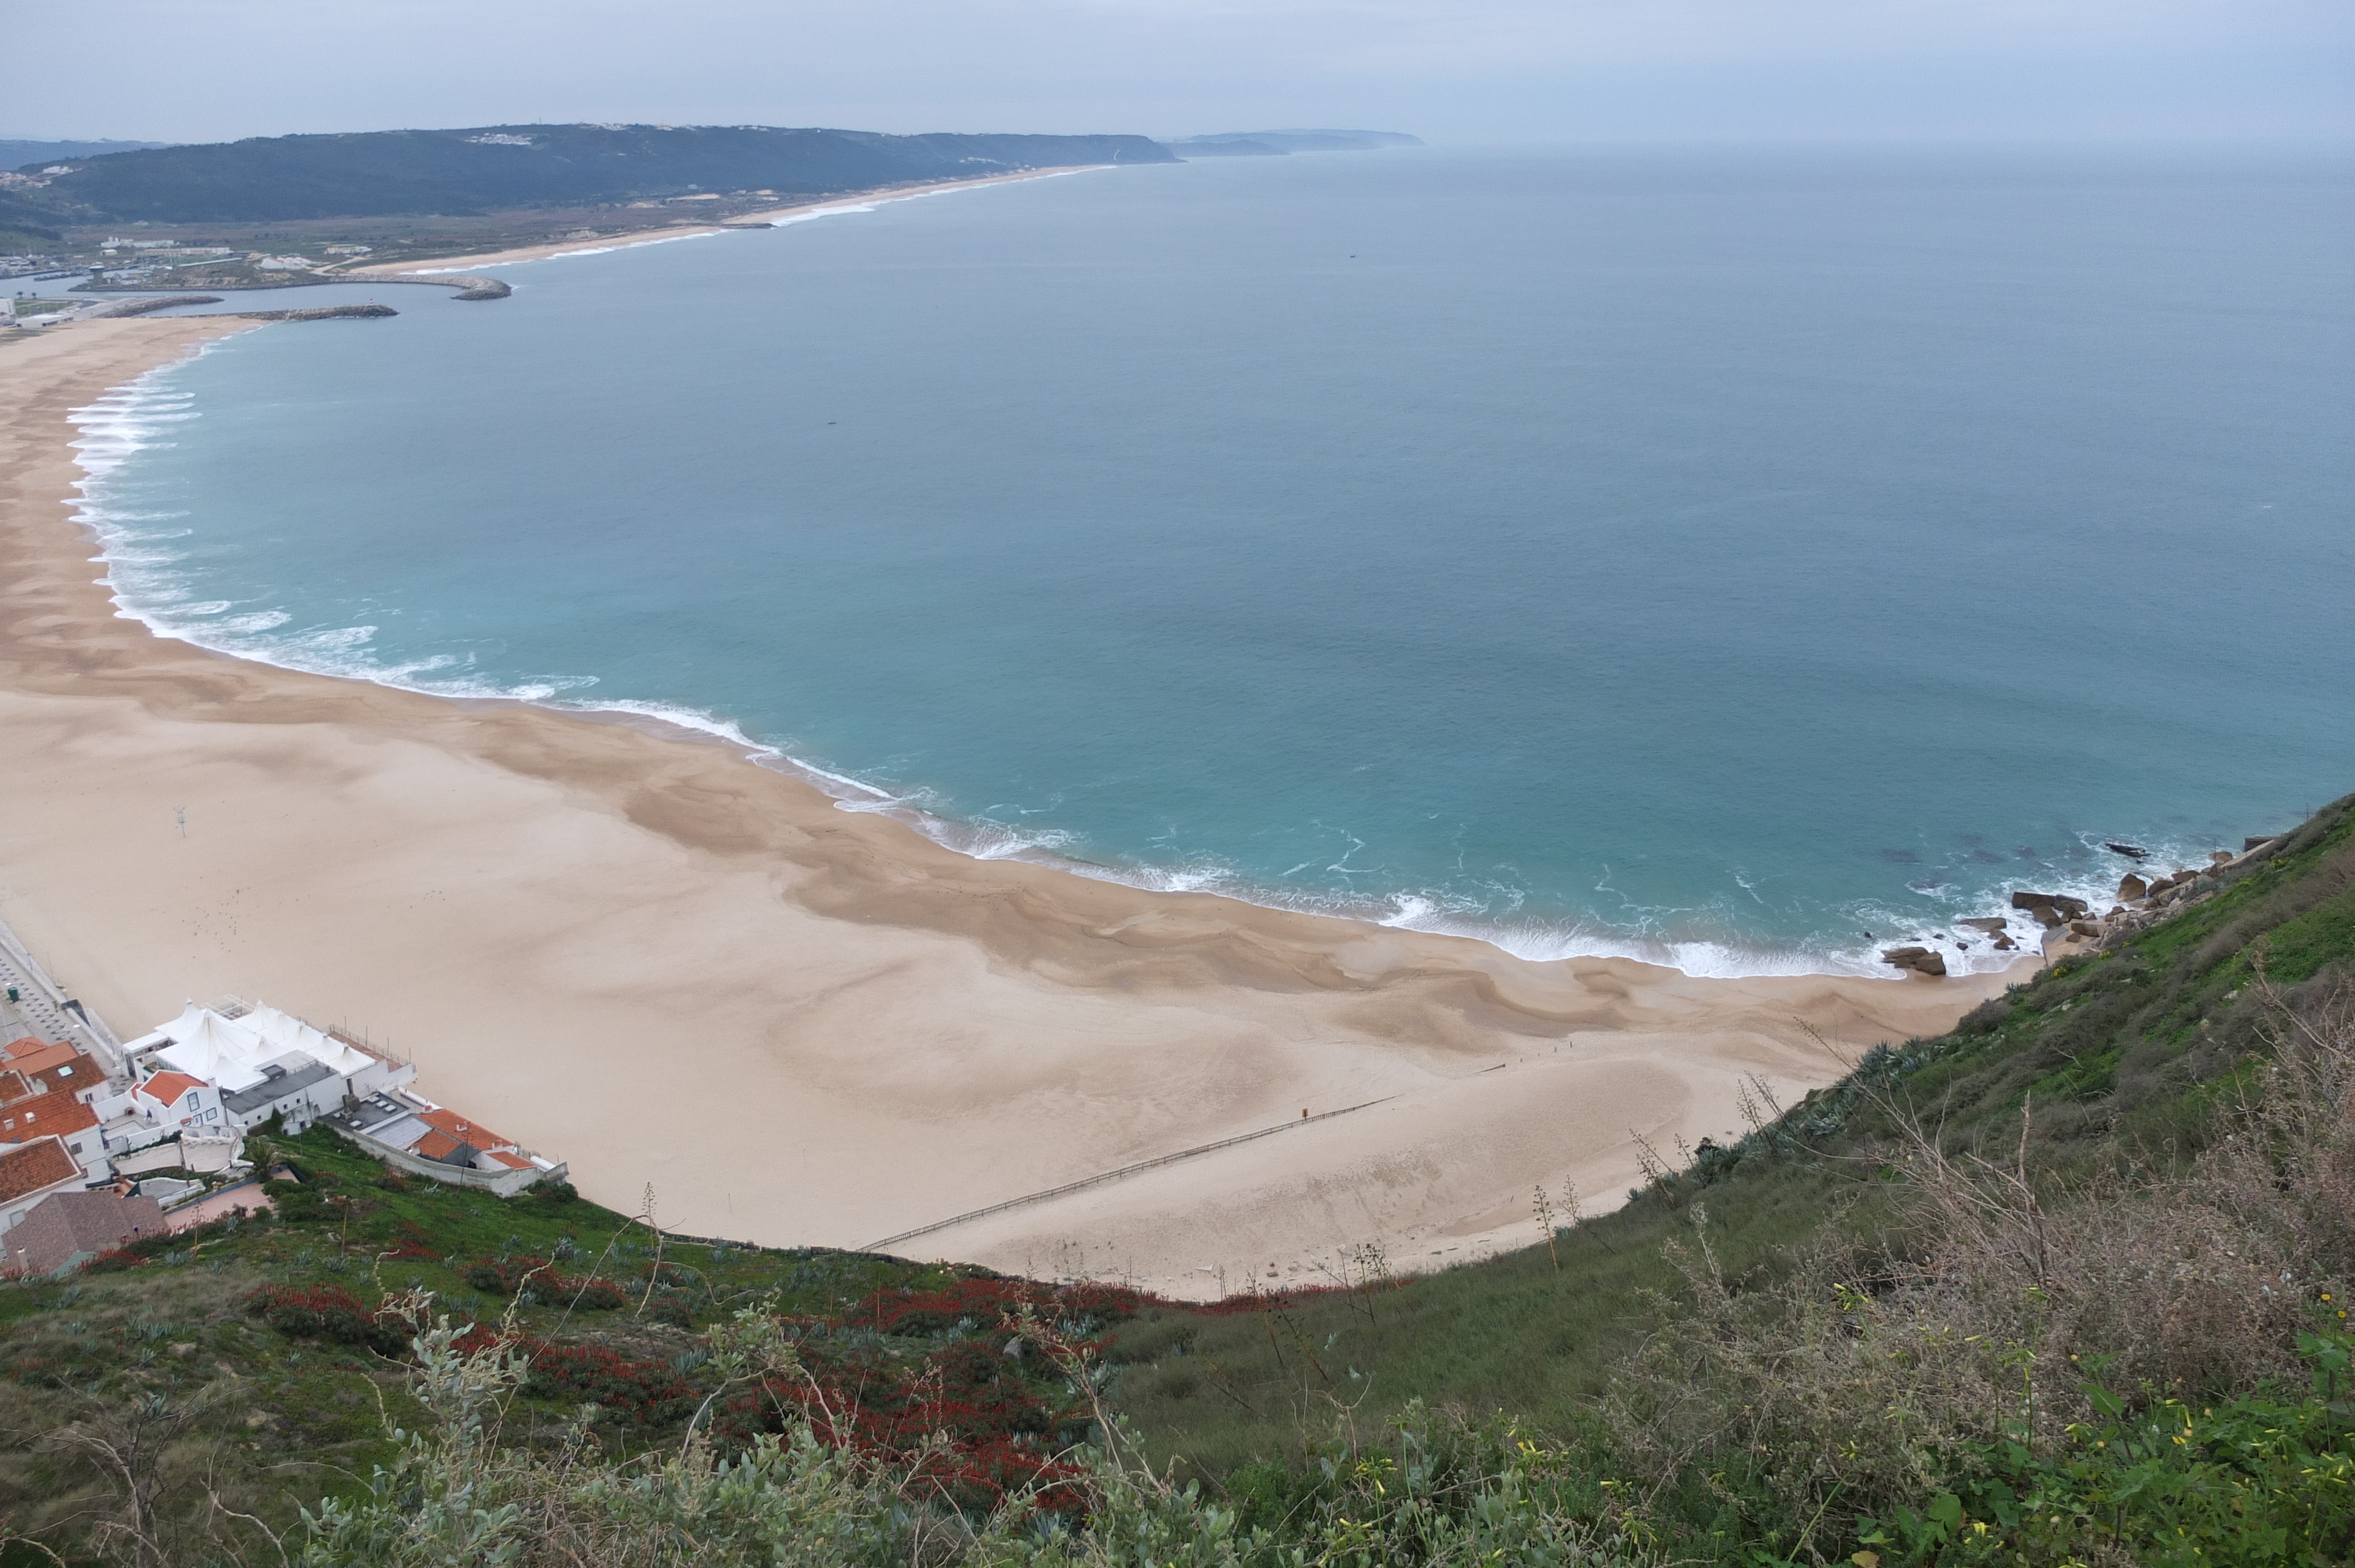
{"x": 1101, "y": 1178}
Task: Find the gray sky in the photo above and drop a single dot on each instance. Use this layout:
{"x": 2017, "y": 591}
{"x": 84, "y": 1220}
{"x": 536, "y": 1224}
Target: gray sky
{"x": 1457, "y": 70}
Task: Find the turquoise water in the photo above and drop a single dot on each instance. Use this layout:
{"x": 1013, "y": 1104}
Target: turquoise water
{"x": 1710, "y": 557}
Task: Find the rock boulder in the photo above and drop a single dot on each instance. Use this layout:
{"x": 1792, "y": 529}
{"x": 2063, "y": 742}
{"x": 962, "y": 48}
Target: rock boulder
{"x": 2060, "y": 906}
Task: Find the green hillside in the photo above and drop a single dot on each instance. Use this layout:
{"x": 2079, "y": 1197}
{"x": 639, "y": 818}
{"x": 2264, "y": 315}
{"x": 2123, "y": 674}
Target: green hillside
{"x": 23, "y": 221}
{"x": 15, "y": 152}
{"x": 2065, "y": 1285}
{"x": 496, "y": 167}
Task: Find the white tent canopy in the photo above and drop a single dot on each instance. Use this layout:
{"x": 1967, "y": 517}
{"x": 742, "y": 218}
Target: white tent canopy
{"x": 203, "y": 1044}
{"x": 282, "y": 1031}
{"x": 229, "y": 1053}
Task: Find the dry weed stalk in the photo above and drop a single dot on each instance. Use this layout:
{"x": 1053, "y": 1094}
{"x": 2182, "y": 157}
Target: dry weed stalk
{"x": 1656, "y": 1173}
{"x": 1978, "y": 1322}
{"x": 128, "y": 1444}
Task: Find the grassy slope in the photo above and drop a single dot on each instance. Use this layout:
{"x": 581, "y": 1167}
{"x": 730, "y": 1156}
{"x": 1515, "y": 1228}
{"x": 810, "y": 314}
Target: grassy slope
{"x": 290, "y": 1419}
{"x": 2118, "y": 1055}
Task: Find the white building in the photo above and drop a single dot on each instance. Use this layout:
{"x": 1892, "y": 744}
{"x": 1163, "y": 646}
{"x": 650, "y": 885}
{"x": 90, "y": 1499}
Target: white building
{"x": 257, "y": 1063}
{"x": 175, "y": 1102}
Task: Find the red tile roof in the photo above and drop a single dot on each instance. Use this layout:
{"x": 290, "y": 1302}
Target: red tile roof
{"x": 512, "y": 1161}
{"x": 435, "y": 1146}
{"x": 33, "y": 1167}
{"x": 32, "y": 1056}
{"x": 60, "y": 1067}
{"x": 166, "y": 1088}
{"x": 459, "y": 1128}
{"x": 58, "y": 1113}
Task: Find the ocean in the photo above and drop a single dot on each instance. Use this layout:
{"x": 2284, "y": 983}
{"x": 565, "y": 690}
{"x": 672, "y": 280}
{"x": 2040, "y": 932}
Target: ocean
{"x": 1741, "y": 559}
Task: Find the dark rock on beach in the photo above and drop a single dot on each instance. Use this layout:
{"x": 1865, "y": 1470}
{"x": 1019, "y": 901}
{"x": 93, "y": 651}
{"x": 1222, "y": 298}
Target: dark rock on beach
{"x": 2052, "y": 908}
{"x": 1916, "y": 960}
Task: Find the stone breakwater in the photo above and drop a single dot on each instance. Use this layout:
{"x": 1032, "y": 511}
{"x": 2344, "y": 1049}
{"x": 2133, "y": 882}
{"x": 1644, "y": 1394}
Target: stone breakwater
{"x": 322, "y": 313}
{"x": 2067, "y": 924}
{"x": 469, "y": 286}
{"x": 143, "y": 307}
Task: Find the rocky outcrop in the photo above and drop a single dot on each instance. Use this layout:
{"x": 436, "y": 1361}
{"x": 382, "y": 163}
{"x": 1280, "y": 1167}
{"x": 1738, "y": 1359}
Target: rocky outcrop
{"x": 1916, "y": 960}
{"x": 1997, "y": 928}
{"x": 2142, "y": 900}
{"x": 2051, "y": 910}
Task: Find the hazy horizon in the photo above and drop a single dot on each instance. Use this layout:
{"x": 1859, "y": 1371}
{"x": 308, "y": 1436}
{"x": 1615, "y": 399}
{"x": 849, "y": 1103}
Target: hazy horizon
{"x": 1473, "y": 71}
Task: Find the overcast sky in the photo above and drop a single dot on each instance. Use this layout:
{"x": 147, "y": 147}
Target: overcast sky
{"x": 1458, "y": 70}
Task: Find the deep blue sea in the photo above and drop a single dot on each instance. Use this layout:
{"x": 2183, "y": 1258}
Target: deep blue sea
{"x": 1712, "y": 557}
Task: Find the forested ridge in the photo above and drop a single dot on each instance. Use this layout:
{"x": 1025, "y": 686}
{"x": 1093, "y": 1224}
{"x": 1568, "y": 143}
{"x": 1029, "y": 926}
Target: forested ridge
{"x": 502, "y": 167}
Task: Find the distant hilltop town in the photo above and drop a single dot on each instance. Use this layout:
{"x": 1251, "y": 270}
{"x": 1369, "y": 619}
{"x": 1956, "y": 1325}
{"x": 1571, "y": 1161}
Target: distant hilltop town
{"x": 103, "y": 1141}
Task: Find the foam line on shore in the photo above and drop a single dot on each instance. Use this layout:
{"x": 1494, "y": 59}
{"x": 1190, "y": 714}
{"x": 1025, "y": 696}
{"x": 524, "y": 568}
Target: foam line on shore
{"x": 139, "y": 413}
{"x": 144, "y": 412}
{"x": 523, "y": 899}
{"x": 589, "y": 250}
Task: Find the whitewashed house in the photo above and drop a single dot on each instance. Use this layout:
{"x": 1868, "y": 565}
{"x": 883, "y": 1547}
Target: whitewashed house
{"x": 176, "y": 1102}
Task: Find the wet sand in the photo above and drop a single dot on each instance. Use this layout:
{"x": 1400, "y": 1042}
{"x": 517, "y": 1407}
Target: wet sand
{"x": 640, "y": 953}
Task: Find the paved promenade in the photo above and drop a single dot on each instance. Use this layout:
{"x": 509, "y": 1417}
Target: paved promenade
{"x": 33, "y": 1004}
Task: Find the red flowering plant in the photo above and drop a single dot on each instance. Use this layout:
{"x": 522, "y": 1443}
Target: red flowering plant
{"x": 984, "y": 1301}
{"x": 325, "y": 1312}
{"x": 535, "y": 1282}
{"x": 630, "y": 1391}
{"x": 994, "y": 1412}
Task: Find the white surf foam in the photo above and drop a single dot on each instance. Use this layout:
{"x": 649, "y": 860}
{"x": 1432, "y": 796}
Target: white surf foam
{"x": 144, "y": 579}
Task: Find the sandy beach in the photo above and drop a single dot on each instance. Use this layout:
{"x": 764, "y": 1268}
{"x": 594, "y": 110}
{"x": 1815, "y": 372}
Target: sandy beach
{"x": 686, "y": 228}
{"x": 794, "y": 1024}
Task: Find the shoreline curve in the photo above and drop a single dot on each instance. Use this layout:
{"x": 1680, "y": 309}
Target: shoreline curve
{"x": 797, "y": 1024}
